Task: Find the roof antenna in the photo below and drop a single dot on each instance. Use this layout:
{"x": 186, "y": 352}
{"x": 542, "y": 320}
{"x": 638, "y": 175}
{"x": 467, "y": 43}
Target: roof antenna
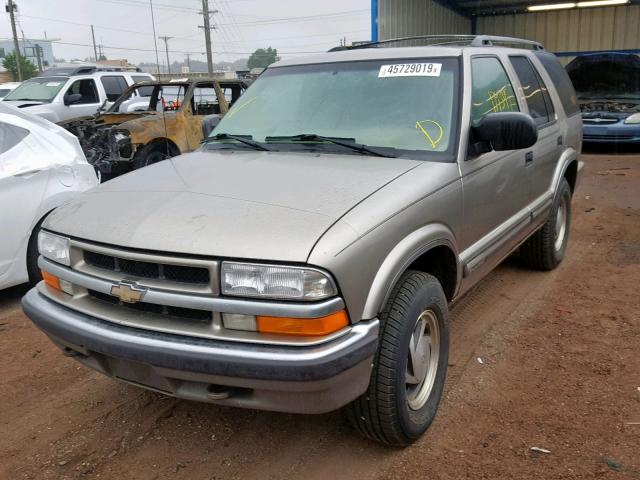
{"x": 155, "y": 44}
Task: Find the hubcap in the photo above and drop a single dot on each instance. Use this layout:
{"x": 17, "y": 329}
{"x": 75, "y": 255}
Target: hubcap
{"x": 422, "y": 361}
{"x": 561, "y": 225}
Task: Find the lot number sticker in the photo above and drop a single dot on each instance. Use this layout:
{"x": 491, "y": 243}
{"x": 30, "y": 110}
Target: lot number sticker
{"x": 410, "y": 70}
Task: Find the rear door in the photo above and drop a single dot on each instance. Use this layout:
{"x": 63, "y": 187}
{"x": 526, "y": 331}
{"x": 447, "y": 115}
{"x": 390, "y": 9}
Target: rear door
{"x": 545, "y": 152}
{"x": 21, "y": 189}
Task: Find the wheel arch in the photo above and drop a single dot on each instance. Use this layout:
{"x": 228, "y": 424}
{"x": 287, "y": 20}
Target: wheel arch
{"x": 571, "y": 175}
{"x": 163, "y": 142}
{"x": 430, "y": 249}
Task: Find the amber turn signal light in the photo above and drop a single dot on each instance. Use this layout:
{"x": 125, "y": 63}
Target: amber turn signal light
{"x": 306, "y": 327}
{"x": 51, "y": 280}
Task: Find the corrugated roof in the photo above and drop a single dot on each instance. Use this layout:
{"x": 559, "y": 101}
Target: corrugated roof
{"x": 472, "y": 8}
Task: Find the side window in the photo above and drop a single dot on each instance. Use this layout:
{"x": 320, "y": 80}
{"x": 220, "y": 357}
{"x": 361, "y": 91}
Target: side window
{"x": 143, "y": 91}
{"x": 205, "y": 101}
{"x": 534, "y": 90}
{"x": 10, "y": 136}
{"x": 561, "y": 81}
{"x": 492, "y": 90}
{"x": 114, "y": 86}
{"x": 86, "y": 88}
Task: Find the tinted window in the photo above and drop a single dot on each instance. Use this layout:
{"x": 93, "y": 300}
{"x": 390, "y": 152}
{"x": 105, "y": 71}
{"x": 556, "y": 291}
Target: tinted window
{"x": 114, "y": 86}
{"x": 561, "y": 81}
{"x": 533, "y": 90}
{"x": 86, "y": 88}
{"x": 492, "y": 90}
{"x": 10, "y": 136}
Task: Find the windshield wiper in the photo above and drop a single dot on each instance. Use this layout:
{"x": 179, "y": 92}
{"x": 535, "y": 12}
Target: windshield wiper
{"x": 246, "y": 139}
{"x": 345, "y": 142}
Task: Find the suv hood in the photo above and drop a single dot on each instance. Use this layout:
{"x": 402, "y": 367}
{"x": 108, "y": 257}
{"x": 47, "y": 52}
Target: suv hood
{"x": 258, "y": 205}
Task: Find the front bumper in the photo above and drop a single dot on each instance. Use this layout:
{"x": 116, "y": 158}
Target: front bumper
{"x": 300, "y": 379}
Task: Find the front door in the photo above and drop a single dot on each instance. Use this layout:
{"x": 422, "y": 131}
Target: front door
{"x": 495, "y": 184}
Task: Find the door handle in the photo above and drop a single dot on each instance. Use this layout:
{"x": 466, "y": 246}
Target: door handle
{"x": 528, "y": 158}
{"x": 560, "y": 140}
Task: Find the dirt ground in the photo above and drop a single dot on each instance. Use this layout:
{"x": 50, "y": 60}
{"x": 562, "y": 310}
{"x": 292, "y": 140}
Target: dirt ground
{"x": 549, "y": 360}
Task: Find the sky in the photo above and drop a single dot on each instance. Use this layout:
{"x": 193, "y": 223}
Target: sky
{"x": 124, "y": 27}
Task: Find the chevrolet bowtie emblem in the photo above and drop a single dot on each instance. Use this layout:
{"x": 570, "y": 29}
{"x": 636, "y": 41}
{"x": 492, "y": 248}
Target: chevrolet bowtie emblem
{"x": 128, "y": 292}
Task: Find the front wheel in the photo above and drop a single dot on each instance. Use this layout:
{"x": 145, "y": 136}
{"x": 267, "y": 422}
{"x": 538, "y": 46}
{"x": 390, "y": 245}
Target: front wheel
{"x": 410, "y": 365}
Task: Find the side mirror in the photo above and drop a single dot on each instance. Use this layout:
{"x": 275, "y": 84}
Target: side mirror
{"x": 72, "y": 98}
{"x": 504, "y": 131}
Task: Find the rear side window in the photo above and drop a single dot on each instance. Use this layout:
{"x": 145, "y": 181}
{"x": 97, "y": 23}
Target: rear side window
{"x": 561, "y": 81}
{"x": 492, "y": 90}
{"x": 534, "y": 90}
{"x": 10, "y": 136}
{"x": 114, "y": 86}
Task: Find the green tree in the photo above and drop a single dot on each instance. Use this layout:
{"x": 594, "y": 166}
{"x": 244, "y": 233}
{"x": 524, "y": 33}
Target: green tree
{"x": 262, "y": 58}
{"x": 28, "y": 69}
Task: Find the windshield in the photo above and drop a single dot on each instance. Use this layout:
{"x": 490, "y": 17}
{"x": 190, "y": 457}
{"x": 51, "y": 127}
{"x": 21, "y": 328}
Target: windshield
{"x": 607, "y": 79}
{"x": 39, "y": 89}
{"x": 402, "y": 109}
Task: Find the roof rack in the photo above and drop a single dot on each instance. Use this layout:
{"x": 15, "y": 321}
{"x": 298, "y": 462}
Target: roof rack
{"x": 84, "y": 70}
{"x": 462, "y": 40}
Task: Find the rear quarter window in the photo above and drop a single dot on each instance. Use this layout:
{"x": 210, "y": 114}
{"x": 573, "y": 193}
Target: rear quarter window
{"x": 561, "y": 81}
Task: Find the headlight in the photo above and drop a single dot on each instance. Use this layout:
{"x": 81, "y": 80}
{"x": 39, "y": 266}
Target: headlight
{"x": 54, "y": 247}
{"x": 633, "y": 119}
{"x": 275, "y": 282}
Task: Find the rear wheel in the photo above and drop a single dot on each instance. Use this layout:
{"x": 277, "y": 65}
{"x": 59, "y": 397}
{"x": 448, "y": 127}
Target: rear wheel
{"x": 410, "y": 365}
{"x": 545, "y": 249}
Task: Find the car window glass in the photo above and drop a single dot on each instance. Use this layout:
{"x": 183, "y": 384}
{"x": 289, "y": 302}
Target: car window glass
{"x": 172, "y": 97}
{"x": 143, "y": 91}
{"x": 113, "y": 86}
{"x": 205, "y": 101}
{"x": 10, "y": 136}
{"x": 492, "y": 90}
{"x": 532, "y": 90}
{"x": 561, "y": 81}
{"x": 86, "y": 88}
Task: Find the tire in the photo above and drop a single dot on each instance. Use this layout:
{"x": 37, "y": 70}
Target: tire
{"x": 546, "y": 248}
{"x": 150, "y": 154}
{"x": 32, "y": 254}
{"x": 394, "y": 411}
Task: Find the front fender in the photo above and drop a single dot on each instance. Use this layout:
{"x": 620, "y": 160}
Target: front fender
{"x": 401, "y": 257}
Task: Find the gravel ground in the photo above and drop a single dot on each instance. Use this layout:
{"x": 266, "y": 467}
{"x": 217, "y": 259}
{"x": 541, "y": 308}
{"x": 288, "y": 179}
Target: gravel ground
{"x": 559, "y": 369}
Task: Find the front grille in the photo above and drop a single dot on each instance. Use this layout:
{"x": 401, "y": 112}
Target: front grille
{"x": 183, "y": 313}
{"x": 137, "y": 268}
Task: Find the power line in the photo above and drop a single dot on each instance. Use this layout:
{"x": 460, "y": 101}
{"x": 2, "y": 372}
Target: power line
{"x": 108, "y": 47}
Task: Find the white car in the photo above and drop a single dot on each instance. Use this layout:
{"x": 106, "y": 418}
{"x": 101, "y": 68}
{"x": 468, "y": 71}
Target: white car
{"x": 41, "y": 167}
{"x": 7, "y": 88}
{"x": 60, "y": 94}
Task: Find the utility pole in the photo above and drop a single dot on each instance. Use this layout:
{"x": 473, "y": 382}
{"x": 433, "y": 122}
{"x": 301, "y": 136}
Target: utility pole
{"x": 95, "y": 50}
{"x": 11, "y": 8}
{"x": 166, "y": 49}
{"x": 206, "y": 15}
{"x": 38, "y": 50}
{"x": 188, "y": 61}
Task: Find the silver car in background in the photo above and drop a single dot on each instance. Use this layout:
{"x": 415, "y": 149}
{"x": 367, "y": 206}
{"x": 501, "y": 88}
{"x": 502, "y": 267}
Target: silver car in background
{"x": 305, "y": 258}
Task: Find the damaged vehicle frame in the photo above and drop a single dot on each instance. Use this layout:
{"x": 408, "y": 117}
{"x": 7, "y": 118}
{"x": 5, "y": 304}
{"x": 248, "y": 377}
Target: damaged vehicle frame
{"x": 166, "y": 119}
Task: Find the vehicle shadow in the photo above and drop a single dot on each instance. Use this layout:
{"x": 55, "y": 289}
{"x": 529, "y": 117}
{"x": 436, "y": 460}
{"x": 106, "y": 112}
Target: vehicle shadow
{"x": 13, "y": 294}
{"x": 609, "y": 148}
